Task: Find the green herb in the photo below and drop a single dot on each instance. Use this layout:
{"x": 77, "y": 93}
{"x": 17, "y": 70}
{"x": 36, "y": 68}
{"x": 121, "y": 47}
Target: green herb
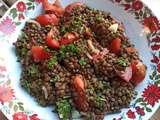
{"x": 73, "y": 48}
{"x": 34, "y": 70}
{"x": 94, "y": 34}
{"x": 91, "y": 90}
{"x": 100, "y": 100}
{"x": 54, "y": 80}
{"x": 24, "y": 51}
{"x": 122, "y": 62}
{"x": 63, "y": 108}
{"x": 26, "y": 84}
{"x": 62, "y": 52}
{"x": 124, "y": 42}
{"x": 52, "y": 62}
{"x": 106, "y": 85}
{"x": 99, "y": 18}
{"x": 82, "y": 61}
{"x": 77, "y": 24}
{"x": 63, "y": 30}
{"x": 70, "y": 47}
{"x": 47, "y": 49}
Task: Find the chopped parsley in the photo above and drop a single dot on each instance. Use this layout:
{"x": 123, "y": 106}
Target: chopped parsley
{"x": 94, "y": 34}
{"x": 99, "y": 18}
{"x": 78, "y": 24}
{"x": 54, "y": 80}
{"x": 24, "y": 51}
{"x": 63, "y": 30}
{"x": 26, "y": 84}
{"x": 82, "y": 61}
{"x": 71, "y": 48}
{"x": 122, "y": 62}
{"x": 100, "y": 100}
{"x": 91, "y": 90}
{"x": 63, "y": 108}
{"x": 33, "y": 71}
{"x": 52, "y": 62}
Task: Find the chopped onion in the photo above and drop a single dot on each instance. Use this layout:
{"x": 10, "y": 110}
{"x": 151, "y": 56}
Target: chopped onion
{"x": 45, "y": 92}
{"x": 89, "y": 56}
{"x": 113, "y": 28}
{"x": 91, "y": 46}
{"x": 34, "y": 22}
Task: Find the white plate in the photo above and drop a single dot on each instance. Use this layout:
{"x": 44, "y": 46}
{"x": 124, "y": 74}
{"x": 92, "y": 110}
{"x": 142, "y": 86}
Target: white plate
{"x": 15, "y": 102}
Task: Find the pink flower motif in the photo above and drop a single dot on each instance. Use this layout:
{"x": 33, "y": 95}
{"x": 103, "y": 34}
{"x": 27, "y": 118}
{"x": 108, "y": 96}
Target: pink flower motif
{"x": 131, "y": 114}
{"x": 151, "y": 23}
{"x": 21, "y": 6}
{"x": 7, "y": 26}
{"x": 140, "y": 111}
{"x": 21, "y": 17}
{"x": 137, "y": 5}
{"x": 3, "y": 69}
{"x": 34, "y": 117}
{"x": 151, "y": 94}
{"x": 6, "y": 94}
{"x": 127, "y": 6}
{"x": 20, "y": 116}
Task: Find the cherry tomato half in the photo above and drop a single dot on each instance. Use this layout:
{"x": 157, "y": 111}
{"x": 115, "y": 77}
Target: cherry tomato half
{"x": 38, "y": 53}
{"x": 51, "y": 41}
{"x": 46, "y": 19}
{"x": 116, "y": 45}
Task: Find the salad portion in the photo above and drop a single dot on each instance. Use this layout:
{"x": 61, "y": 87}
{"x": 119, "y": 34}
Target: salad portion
{"x": 78, "y": 60}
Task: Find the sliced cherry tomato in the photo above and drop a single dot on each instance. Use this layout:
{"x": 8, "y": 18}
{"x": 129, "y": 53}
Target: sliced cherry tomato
{"x": 47, "y": 19}
{"x": 71, "y": 6}
{"x": 68, "y": 38}
{"x": 80, "y": 100}
{"x": 79, "y": 83}
{"x": 116, "y": 45}
{"x": 48, "y": 7}
{"x": 38, "y": 53}
{"x": 51, "y": 42}
{"x": 139, "y": 72}
{"x": 125, "y": 75}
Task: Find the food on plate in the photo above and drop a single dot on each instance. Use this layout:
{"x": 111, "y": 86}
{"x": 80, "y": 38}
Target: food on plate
{"x": 78, "y": 59}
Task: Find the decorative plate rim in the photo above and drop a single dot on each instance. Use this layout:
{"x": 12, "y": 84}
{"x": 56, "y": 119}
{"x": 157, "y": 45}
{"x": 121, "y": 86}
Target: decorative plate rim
{"x": 16, "y": 15}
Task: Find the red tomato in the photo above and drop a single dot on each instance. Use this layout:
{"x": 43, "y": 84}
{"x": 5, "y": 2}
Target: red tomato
{"x": 48, "y": 7}
{"x": 51, "y": 42}
{"x": 80, "y": 99}
{"x": 71, "y": 6}
{"x": 68, "y": 39}
{"x": 116, "y": 45}
{"x": 47, "y": 19}
{"x": 38, "y": 53}
{"x": 79, "y": 83}
{"x": 139, "y": 73}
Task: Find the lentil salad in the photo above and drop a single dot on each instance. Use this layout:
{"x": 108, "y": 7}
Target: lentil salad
{"x": 78, "y": 59}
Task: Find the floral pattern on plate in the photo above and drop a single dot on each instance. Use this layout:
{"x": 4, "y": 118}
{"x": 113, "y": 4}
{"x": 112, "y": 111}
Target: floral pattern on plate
{"x": 138, "y": 109}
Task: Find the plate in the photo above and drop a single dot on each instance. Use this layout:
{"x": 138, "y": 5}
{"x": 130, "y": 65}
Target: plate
{"x": 142, "y": 27}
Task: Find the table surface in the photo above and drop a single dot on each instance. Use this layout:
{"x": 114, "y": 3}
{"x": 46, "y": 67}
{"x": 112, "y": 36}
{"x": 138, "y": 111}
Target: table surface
{"x": 5, "y": 4}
